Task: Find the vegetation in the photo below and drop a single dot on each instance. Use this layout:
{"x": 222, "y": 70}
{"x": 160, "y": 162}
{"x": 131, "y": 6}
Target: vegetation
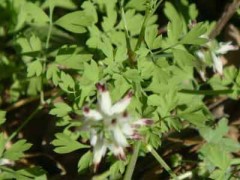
{"x": 107, "y": 89}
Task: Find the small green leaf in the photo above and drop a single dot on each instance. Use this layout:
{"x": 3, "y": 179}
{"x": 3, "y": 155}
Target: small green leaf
{"x": 60, "y": 109}
{"x": 67, "y": 83}
{"x": 216, "y": 155}
{"x": 76, "y": 22}
{"x": 34, "y": 68}
{"x": 2, "y": 116}
{"x": 175, "y": 27}
{"x": 2, "y": 144}
{"x": 64, "y": 144}
{"x": 90, "y": 78}
{"x": 16, "y": 151}
{"x": 194, "y": 36}
{"x": 214, "y": 136}
{"x": 85, "y": 161}
{"x": 35, "y": 14}
{"x": 53, "y": 73}
{"x": 35, "y": 173}
{"x": 116, "y": 169}
{"x": 68, "y": 57}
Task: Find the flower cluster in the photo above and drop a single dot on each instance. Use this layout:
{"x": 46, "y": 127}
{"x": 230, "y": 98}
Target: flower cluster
{"x": 216, "y": 55}
{"x": 110, "y": 126}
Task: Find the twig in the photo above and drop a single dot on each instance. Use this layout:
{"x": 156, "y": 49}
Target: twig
{"x": 230, "y": 9}
{"x": 26, "y": 101}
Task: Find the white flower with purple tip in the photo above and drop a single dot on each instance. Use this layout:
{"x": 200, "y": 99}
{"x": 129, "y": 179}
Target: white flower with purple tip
{"x": 110, "y": 126}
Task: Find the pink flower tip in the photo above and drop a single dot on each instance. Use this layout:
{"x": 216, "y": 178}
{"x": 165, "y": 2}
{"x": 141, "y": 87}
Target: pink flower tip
{"x": 121, "y": 156}
{"x": 148, "y": 121}
{"x": 130, "y": 94}
{"x": 86, "y": 109}
{"x": 136, "y": 136}
{"x": 125, "y": 114}
{"x": 95, "y": 167}
{"x": 101, "y": 87}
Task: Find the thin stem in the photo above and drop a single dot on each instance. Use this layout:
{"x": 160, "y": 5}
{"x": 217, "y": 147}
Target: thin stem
{"x": 24, "y": 123}
{"x": 161, "y": 161}
{"x": 131, "y": 54}
{"x": 142, "y": 32}
{"x": 132, "y": 163}
{"x": 148, "y": 14}
{"x": 51, "y": 8}
{"x": 165, "y": 49}
{"x": 208, "y": 92}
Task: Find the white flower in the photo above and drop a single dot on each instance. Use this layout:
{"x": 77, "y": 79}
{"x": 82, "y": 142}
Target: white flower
{"x": 217, "y": 55}
{"x": 200, "y": 68}
{"x": 110, "y": 126}
{"x": 200, "y": 55}
{"x": 225, "y": 47}
{"x": 217, "y": 64}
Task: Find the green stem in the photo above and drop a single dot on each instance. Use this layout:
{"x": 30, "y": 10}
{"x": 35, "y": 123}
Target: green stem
{"x": 142, "y": 32}
{"x": 208, "y": 92}
{"x": 165, "y": 49}
{"x": 24, "y": 123}
{"x": 148, "y": 14}
{"x": 161, "y": 161}
{"x": 132, "y": 163}
{"x": 131, "y": 54}
{"x": 51, "y": 8}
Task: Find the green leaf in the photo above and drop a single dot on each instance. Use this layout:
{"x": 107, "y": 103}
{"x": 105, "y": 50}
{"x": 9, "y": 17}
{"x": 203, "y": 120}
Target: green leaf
{"x": 183, "y": 58}
{"x": 69, "y": 57}
{"x": 35, "y": 14}
{"x": 90, "y": 78}
{"x": 139, "y": 5}
{"x": 64, "y": 144}
{"x": 89, "y": 8}
{"x": 216, "y": 156}
{"x": 85, "y": 161}
{"x": 194, "y": 36}
{"x": 175, "y": 27}
{"x": 66, "y": 82}
{"x": 35, "y": 85}
{"x": 35, "y": 173}
{"x": 230, "y": 74}
{"x": 30, "y": 46}
{"x": 152, "y": 39}
{"x": 53, "y": 73}
{"x": 60, "y": 109}
{"x": 132, "y": 75}
{"x": 164, "y": 102}
{"x": 196, "y": 118}
{"x": 117, "y": 168}
{"x": 34, "y": 68}
{"x": 2, "y": 117}
{"x": 2, "y": 144}
{"x": 131, "y": 18}
{"x": 76, "y": 22}
{"x": 120, "y": 87}
{"x": 110, "y": 20}
{"x": 214, "y": 136}
{"x": 16, "y": 151}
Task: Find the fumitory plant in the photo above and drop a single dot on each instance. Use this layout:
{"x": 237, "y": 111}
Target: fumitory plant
{"x": 120, "y": 79}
